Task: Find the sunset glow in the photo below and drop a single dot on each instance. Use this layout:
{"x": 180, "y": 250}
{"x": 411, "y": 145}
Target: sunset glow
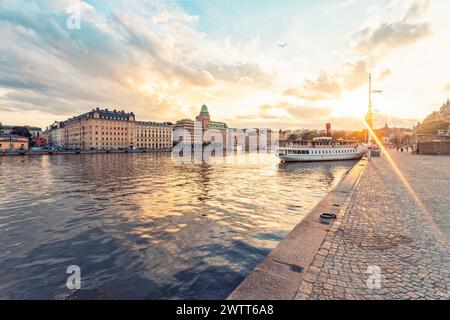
{"x": 163, "y": 59}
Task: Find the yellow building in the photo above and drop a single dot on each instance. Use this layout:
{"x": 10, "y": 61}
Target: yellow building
{"x": 11, "y": 142}
{"x": 100, "y": 129}
{"x": 154, "y": 135}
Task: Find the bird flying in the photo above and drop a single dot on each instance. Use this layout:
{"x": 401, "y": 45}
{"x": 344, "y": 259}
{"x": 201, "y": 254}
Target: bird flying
{"x": 282, "y": 45}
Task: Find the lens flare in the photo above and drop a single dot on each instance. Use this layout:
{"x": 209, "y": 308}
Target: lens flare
{"x": 425, "y": 213}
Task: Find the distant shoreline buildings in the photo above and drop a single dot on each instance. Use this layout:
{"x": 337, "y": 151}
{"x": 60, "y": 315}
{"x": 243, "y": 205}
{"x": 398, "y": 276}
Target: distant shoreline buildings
{"x": 103, "y": 129}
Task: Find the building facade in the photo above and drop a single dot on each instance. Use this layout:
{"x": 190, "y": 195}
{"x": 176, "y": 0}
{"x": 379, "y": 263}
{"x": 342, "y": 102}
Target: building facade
{"x": 154, "y": 135}
{"x": 203, "y": 123}
{"x": 106, "y": 129}
{"x": 184, "y": 132}
{"x": 35, "y": 132}
{"x": 100, "y": 129}
{"x": 11, "y": 142}
{"x": 55, "y": 135}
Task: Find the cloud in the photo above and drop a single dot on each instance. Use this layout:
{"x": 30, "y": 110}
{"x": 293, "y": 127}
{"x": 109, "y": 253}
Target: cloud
{"x": 384, "y": 74}
{"x": 381, "y": 40}
{"x": 306, "y": 113}
{"x": 296, "y": 116}
{"x": 355, "y": 74}
{"x": 245, "y": 73}
{"x": 371, "y": 45}
{"x": 144, "y": 57}
{"x": 447, "y": 87}
{"x": 288, "y": 112}
{"x": 155, "y": 59}
{"x": 330, "y": 86}
{"x": 324, "y": 87}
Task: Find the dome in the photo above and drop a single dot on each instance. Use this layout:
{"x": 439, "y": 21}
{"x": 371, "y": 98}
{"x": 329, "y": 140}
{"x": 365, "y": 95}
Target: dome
{"x": 204, "y": 110}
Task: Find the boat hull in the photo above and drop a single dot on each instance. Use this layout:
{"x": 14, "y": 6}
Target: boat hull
{"x": 320, "y": 157}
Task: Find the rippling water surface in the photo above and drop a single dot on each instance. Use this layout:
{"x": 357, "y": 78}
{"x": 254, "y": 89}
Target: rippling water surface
{"x": 142, "y": 227}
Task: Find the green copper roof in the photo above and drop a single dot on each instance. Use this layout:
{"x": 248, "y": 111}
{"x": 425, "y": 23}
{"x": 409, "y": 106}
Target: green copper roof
{"x": 204, "y": 110}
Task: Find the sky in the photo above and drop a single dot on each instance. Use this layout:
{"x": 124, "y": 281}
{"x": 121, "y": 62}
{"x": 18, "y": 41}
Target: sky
{"x": 163, "y": 59}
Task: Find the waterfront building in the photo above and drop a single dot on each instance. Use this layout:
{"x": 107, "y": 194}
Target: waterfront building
{"x": 283, "y": 135}
{"x": 184, "y": 131}
{"x": 106, "y": 129}
{"x": 39, "y": 142}
{"x": 7, "y": 129}
{"x": 100, "y": 129}
{"x": 35, "y": 132}
{"x": 45, "y": 135}
{"x": 12, "y": 142}
{"x": 154, "y": 135}
{"x": 55, "y": 134}
{"x": 204, "y": 123}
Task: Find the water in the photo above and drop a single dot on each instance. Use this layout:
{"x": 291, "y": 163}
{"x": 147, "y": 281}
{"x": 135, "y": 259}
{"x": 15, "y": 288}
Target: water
{"x": 142, "y": 227}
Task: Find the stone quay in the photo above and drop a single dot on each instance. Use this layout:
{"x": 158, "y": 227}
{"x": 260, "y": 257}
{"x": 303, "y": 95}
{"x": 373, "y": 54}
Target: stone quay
{"x": 390, "y": 239}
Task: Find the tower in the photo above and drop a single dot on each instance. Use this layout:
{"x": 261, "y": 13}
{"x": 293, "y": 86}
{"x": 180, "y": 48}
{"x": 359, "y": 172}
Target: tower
{"x": 328, "y": 129}
{"x": 204, "y": 118}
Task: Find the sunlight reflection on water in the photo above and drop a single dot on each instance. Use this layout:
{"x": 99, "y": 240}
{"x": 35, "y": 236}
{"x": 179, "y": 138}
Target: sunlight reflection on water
{"x": 142, "y": 227}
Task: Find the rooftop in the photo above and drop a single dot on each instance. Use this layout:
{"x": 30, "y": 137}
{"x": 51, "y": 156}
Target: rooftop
{"x": 11, "y": 136}
{"x": 104, "y": 114}
{"x": 204, "y": 110}
{"x": 153, "y": 123}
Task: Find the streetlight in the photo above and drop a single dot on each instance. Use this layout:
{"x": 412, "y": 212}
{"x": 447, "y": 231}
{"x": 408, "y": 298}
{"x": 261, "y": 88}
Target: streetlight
{"x": 369, "y": 117}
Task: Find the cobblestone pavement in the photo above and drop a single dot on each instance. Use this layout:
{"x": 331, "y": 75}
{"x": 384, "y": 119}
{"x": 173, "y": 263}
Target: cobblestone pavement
{"x": 383, "y": 230}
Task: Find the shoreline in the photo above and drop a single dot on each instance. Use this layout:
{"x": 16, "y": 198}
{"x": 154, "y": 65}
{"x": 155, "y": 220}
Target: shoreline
{"x": 63, "y": 152}
{"x": 281, "y": 273}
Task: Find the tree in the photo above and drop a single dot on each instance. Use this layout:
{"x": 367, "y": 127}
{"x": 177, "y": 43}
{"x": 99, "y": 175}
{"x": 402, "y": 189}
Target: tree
{"x": 433, "y": 126}
{"x": 309, "y": 135}
{"x": 292, "y": 137}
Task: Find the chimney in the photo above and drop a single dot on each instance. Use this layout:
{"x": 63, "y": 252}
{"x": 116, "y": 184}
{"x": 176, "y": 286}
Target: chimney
{"x": 328, "y": 129}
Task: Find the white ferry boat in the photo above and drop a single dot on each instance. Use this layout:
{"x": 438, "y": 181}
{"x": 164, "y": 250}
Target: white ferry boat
{"x": 321, "y": 149}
